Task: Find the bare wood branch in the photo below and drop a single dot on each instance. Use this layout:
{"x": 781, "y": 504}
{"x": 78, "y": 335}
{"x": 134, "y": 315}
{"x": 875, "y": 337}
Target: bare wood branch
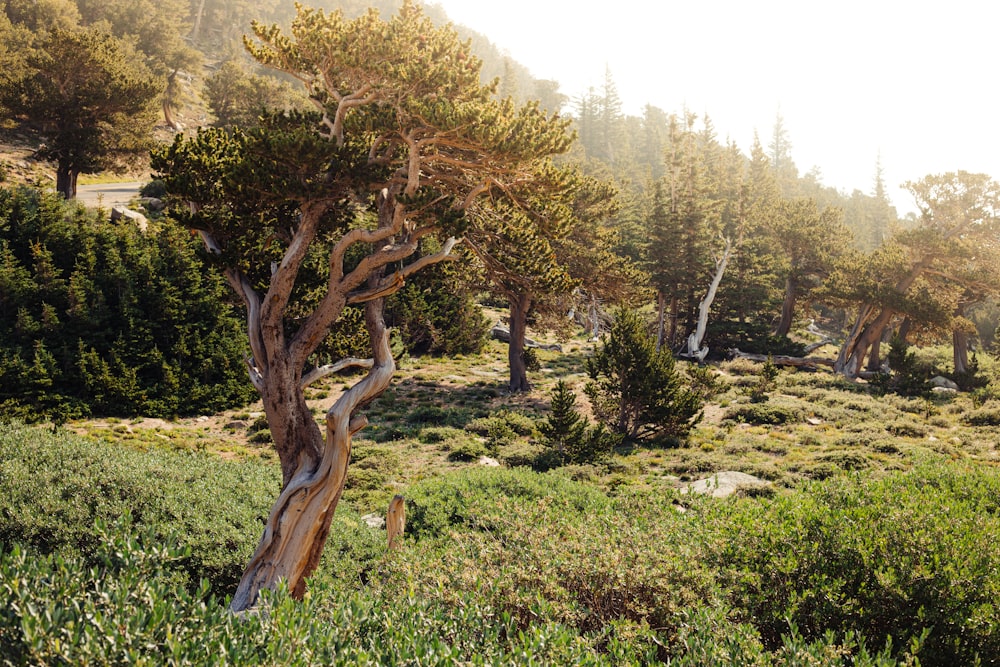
{"x": 784, "y": 360}
{"x": 393, "y": 283}
{"x": 395, "y": 521}
{"x": 694, "y": 348}
{"x": 327, "y": 370}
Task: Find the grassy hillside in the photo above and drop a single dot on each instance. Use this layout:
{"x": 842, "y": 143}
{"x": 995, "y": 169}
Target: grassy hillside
{"x": 874, "y": 545}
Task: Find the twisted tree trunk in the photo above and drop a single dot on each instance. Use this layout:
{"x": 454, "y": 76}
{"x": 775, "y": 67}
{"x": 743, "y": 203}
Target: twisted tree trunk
{"x": 299, "y": 522}
{"x": 787, "y": 307}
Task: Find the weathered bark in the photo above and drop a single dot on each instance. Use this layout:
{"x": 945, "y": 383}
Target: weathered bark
{"x": 519, "y": 306}
{"x": 865, "y": 313}
{"x": 960, "y": 345}
{"x": 395, "y": 521}
{"x": 875, "y": 356}
{"x": 694, "y": 348}
{"x": 904, "y": 329}
{"x": 299, "y": 522}
{"x": 864, "y": 342}
{"x": 787, "y": 308}
{"x": 66, "y": 180}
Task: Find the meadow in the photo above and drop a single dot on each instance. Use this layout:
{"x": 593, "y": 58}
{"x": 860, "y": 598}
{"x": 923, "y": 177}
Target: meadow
{"x": 873, "y": 544}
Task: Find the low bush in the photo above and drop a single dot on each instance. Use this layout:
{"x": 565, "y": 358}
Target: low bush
{"x": 987, "y": 415}
{"x": 763, "y": 414}
{"x": 911, "y": 557}
{"x": 54, "y": 486}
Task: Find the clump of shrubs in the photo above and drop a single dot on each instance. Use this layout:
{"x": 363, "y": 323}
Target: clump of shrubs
{"x": 764, "y": 414}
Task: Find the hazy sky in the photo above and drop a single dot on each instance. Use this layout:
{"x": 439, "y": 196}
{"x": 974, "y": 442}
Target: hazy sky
{"x": 914, "y": 81}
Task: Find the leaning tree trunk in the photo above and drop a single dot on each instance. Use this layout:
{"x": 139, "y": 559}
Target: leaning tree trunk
{"x": 694, "y": 348}
{"x": 960, "y": 344}
{"x": 299, "y": 522}
{"x": 661, "y": 316}
{"x": 519, "y": 306}
{"x": 875, "y": 356}
{"x": 787, "y": 308}
{"x": 864, "y": 342}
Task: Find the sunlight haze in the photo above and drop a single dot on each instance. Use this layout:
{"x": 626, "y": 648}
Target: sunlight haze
{"x": 852, "y": 80}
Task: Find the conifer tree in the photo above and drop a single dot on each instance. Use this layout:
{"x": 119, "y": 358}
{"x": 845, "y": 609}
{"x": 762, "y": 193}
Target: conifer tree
{"x": 635, "y": 389}
{"x": 407, "y": 145}
{"x": 92, "y": 100}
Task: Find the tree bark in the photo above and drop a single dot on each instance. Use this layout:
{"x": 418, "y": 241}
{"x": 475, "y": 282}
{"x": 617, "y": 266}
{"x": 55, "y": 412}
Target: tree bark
{"x": 66, "y": 181}
{"x": 661, "y": 306}
{"x": 519, "y": 305}
{"x": 960, "y": 344}
{"x": 787, "y": 308}
{"x": 197, "y": 20}
{"x": 299, "y": 522}
{"x": 694, "y": 348}
{"x": 864, "y": 342}
{"x": 395, "y": 522}
{"x": 875, "y": 356}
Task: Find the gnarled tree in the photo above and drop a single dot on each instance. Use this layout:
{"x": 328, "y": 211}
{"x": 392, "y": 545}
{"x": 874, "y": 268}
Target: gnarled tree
{"x": 405, "y": 141}
{"x": 959, "y": 212}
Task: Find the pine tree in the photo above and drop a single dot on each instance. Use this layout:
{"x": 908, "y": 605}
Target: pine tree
{"x": 635, "y": 389}
{"x": 91, "y": 98}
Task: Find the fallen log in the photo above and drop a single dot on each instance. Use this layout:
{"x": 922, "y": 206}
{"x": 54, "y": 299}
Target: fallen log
{"x": 501, "y": 333}
{"x": 783, "y": 360}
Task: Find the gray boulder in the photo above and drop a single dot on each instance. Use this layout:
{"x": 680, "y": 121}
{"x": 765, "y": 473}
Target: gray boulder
{"x": 943, "y": 382}
{"x": 723, "y": 484}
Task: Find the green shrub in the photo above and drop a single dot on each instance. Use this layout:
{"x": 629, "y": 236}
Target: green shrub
{"x": 468, "y": 450}
{"x": 502, "y": 427}
{"x": 104, "y": 319}
{"x": 763, "y": 414}
{"x": 911, "y": 556}
{"x": 566, "y": 436}
{"x": 987, "y": 415}
{"x": 54, "y": 486}
{"x": 129, "y": 608}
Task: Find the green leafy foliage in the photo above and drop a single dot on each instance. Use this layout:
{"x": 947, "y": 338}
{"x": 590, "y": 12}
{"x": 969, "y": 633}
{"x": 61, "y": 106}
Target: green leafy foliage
{"x": 100, "y": 318}
{"x": 106, "y": 550}
{"x": 635, "y": 389}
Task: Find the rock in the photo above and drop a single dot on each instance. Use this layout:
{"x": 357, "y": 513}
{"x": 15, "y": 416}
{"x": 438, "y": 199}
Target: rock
{"x": 152, "y": 203}
{"x": 814, "y": 421}
{"x": 488, "y": 462}
{"x": 943, "y": 391}
{"x": 723, "y": 484}
{"x": 375, "y": 521}
{"x": 943, "y": 382}
{"x": 122, "y": 213}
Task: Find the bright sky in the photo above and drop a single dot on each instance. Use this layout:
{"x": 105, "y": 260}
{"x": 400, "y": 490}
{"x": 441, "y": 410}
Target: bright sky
{"x": 913, "y": 81}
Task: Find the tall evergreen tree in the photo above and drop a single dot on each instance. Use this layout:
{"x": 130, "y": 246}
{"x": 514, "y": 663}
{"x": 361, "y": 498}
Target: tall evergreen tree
{"x": 92, "y": 100}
